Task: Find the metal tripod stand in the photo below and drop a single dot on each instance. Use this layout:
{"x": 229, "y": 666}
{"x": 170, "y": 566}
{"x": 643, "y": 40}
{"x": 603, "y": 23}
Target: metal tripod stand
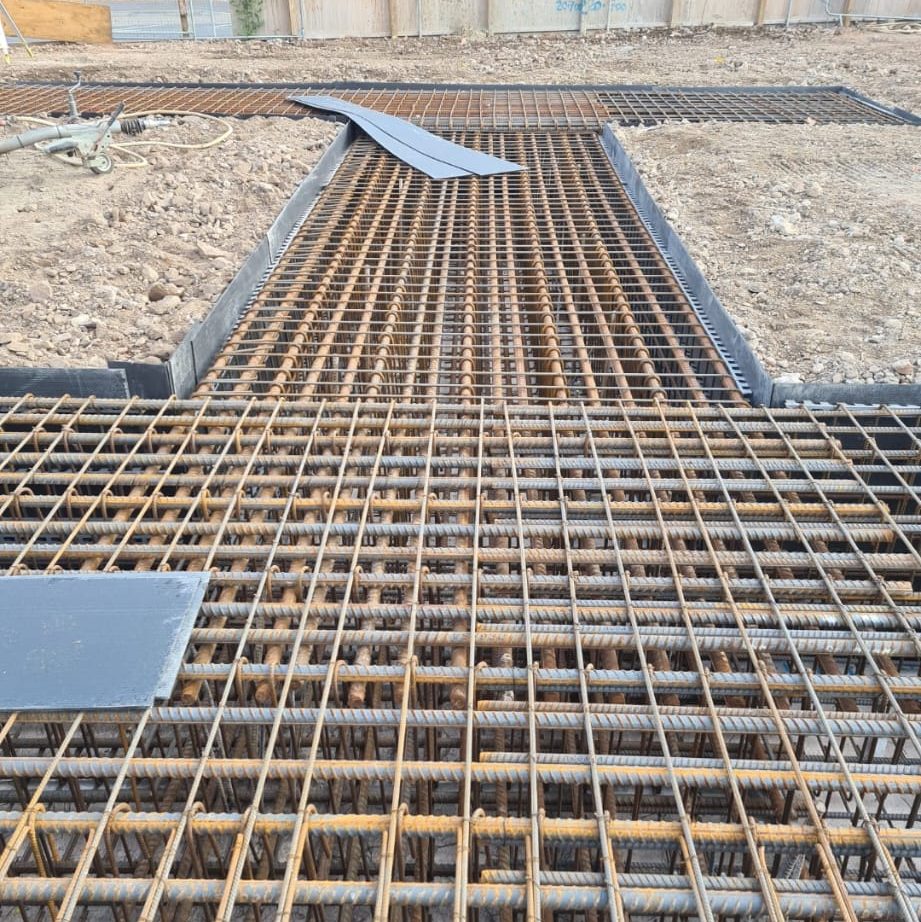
{"x": 4, "y": 45}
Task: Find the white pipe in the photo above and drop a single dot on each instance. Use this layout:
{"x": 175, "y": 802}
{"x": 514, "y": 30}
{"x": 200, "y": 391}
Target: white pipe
{"x": 786, "y": 22}
{"x": 840, "y": 16}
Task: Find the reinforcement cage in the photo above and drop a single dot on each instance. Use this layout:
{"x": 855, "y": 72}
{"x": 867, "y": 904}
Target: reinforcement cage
{"x": 531, "y": 288}
{"x": 632, "y": 662}
{"x": 516, "y": 610}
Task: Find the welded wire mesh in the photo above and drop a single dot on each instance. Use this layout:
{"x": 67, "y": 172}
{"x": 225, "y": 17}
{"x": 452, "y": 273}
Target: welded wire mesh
{"x": 533, "y": 287}
{"x": 447, "y": 107}
{"x": 624, "y": 662}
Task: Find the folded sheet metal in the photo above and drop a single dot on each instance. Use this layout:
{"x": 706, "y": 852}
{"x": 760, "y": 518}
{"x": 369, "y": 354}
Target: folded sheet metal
{"x": 427, "y": 152}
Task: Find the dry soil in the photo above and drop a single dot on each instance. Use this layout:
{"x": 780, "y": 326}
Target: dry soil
{"x": 810, "y": 235}
{"x": 118, "y": 266}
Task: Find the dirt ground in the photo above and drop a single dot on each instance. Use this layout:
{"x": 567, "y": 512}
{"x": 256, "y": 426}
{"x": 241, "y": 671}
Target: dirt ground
{"x": 119, "y": 266}
{"x": 810, "y": 236}
{"x": 884, "y": 64}
{"x": 76, "y": 275}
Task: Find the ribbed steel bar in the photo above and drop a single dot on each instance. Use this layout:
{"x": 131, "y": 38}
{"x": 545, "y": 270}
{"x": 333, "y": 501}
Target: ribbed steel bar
{"x": 395, "y": 288}
{"x": 459, "y": 656}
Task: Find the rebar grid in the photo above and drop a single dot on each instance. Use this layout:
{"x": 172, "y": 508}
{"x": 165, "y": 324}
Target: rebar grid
{"x": 649, "y": 106}
{"x": 490, "y": 661}
{"x": 507, "y": 619}
{"x": 531, "y": 287}
{"x": 447, "y": 107}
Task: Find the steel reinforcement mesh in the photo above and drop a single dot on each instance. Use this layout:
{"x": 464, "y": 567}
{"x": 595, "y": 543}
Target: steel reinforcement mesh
{"x": 534, "y": 287}
{"x": 486, "y": 662}
{"x": 516, "y": 612}
{"x": 449, "y": 107}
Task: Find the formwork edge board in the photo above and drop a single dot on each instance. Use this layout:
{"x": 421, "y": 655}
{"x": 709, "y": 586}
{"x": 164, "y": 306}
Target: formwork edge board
{"x": 58, "y": 382}
{"x": 145, "y": 379}
{"x": 205, "y": 338}
{"x": 196, "y": 352}
{"x": 181, "y": 366}
{"x": 742, "y": 362}
{"x": 865, "y": 395}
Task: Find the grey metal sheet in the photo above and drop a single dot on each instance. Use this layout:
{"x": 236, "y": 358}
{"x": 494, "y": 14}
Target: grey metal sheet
{"x": 433, "y": 155}
{"x": 88, "y": 641}
{"x": 55, "y": 382}
{"x": 435, "y": 169}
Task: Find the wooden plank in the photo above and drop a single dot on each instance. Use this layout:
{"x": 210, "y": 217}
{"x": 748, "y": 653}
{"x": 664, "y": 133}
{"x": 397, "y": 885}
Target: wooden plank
{"x": 60, "y": 21}
{"x": 848, "y": 6}
{"x": 394, "y": 19}
{"x": 759, "y": 18}
{"x": 184, "y": 18}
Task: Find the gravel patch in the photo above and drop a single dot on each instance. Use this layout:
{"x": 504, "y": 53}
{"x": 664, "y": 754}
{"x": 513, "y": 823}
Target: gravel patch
{"x": 119, "y": 266}
{"x": 810, "y": 235}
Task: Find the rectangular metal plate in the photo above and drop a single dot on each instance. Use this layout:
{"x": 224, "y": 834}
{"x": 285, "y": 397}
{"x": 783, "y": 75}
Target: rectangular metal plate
{"x": 89, "y": 641}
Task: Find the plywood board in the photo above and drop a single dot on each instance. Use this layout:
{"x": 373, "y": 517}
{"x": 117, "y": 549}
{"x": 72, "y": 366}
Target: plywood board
{"x": 323, "y": 19}
{"x": 336, "y": 18}
{"x": 59, "y": 21}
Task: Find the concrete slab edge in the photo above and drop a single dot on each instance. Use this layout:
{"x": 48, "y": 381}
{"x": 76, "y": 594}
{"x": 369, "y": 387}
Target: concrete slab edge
{"x": 743, "y": 363}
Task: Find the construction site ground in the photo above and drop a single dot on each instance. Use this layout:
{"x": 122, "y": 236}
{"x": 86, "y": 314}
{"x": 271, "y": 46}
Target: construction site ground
{"x": 809, "y": 234}
{"x": 513, "y": 607}
{"x": 118, "y": 266}
{"x": 90, "y": 247}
